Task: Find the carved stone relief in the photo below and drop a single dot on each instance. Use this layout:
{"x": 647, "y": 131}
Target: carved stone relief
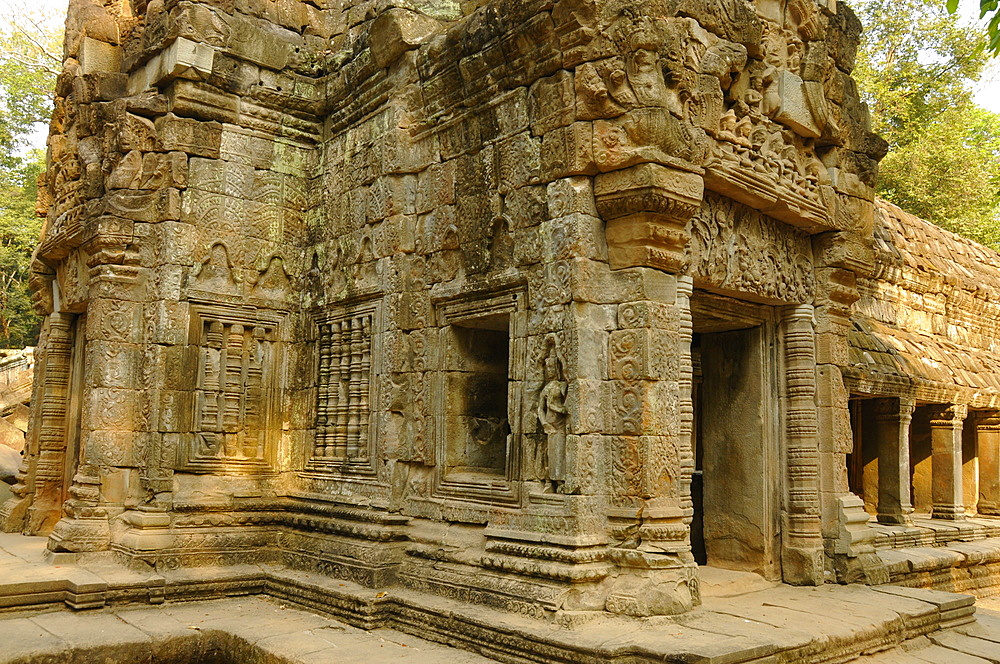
{"x": 238, "y": 390}
{"x": 345, "y": 390}
{"x": 736, "y": 248}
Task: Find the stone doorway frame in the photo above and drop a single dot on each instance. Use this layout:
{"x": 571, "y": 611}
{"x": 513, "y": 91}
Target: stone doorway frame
{"x": 793, "y": 353}
{"x": 717, "y": 314}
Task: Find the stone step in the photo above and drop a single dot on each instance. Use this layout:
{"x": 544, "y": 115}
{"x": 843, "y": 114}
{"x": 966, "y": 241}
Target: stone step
{"x": 769, "y": 623}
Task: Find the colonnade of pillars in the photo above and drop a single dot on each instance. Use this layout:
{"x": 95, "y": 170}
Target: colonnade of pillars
{"x": 953, "y": 476}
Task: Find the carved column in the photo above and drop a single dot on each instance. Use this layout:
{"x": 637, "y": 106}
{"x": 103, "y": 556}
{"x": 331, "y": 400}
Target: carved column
{"x": 38, "y": 494}
{"x": 685, "y": 288}
{"x": 892, "y": 434}
{"x": 802, "y": 553}
{"x": 946, "y": 462}
{"x": 987, "y": 424}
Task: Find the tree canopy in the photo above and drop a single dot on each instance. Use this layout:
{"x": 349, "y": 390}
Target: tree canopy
{"x": 916, "y": 69}
{"x": 990, "y": 11}
{"x": 29, "y": 63}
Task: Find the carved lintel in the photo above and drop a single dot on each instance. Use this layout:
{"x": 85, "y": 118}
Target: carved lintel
{"x": 986, "y": 420}
{"x": 895, "y": 410}
{"x": 646, "y": 208}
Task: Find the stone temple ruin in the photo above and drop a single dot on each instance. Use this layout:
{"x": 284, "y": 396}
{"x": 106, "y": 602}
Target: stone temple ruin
{"x": 546, "y": 307}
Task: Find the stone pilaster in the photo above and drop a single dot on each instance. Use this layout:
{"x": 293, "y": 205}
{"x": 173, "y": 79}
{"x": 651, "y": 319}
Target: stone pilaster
{"x": 109, "y": 415}
{"x": 685, "y": 405}
{"x": 892, "y": 436}
{"x": 802, "y": 551}
{"x": 987, "y": 425}
{"x": 650, "y": 463}
{"x": 946, "y": 462}
{"x": 38, "y": 493}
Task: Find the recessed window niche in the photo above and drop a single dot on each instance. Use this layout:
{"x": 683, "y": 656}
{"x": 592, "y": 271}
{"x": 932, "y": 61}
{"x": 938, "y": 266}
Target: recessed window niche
{"x": 477, "y": 396}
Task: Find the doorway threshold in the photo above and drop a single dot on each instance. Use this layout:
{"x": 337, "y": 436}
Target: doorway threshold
{"x": 720, "y": 582}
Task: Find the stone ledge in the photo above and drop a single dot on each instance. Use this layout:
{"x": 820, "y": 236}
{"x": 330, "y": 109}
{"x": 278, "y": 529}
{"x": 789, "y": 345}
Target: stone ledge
{"x": 956, "y": 566}
{"x": 776, "y": 624}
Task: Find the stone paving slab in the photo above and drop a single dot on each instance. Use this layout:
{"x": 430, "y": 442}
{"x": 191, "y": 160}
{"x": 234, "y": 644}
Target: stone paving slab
{"x": 969, "y": 645}
{"x": 185, "y": 633}
{"x": 935, "y": 654}
{"x": 775, "y": 624}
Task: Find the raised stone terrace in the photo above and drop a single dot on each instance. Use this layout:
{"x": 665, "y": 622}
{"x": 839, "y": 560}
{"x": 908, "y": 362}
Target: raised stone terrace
{"x": 272, "y": 615}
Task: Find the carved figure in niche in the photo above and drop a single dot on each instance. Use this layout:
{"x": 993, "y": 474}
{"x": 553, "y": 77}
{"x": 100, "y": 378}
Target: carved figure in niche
{"x": 501, "y": 249}
{"x": 551, "y": 413}
{"x": 447, "y": 263}
{"x": 364, "y": 264}
{"x": 313, "y": 291}
{"x": 273, "y": 282}
{"x": 338, "y": 282}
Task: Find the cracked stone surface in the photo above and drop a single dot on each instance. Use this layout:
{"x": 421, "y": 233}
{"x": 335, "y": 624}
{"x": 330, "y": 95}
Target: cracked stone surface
{"x": 766, "y": 622}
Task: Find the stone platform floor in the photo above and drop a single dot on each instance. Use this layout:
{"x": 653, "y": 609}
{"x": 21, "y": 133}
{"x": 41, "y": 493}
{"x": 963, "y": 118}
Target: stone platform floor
{"x": 246, "y": 630}
{"x": 273, "y": 615}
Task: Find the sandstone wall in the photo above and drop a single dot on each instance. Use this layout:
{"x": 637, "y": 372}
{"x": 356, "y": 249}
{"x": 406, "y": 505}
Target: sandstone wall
{"x": 402, "y": 292}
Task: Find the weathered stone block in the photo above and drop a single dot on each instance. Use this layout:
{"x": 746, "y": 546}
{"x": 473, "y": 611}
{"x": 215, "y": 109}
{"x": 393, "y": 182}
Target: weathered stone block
{"x": 398, "y": 30}
{"x": 552, "y": 103}
{"x": 191, "y": 136}
{"x": 99, "y": 56}
{"x": 568, "y": 151}
{"x": 572, "y": 236}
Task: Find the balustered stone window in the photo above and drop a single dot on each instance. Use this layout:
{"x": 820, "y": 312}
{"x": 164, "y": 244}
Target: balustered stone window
{"x": 344, "y": 390}
{"x": 235, "y": 391}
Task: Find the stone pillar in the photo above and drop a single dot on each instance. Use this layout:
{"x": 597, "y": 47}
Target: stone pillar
{"x": 685, "y": 403}
{"x": 840, "y": 257}
{"x": 40, "y": 489}
{"x": 802, "y": 550}
{"x": 892, "y": 437}
{"x": 987, "y": 426}
{"x": 946, "y": 462}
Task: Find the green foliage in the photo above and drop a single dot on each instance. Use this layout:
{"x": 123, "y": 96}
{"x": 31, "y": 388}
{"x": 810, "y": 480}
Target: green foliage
{"x": 29, "y": 63}
{"x": 916, "y": 69}
{"x": 951, "y": 175}
{"x": 990, "y": 11}
{"x": 19, "y": 231}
